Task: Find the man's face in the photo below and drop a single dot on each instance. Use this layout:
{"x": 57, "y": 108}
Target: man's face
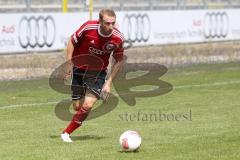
{"x": 107, "y": 24}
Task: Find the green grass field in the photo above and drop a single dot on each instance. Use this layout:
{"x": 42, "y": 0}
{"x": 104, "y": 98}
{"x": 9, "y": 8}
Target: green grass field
{"x": 207, "y": 95}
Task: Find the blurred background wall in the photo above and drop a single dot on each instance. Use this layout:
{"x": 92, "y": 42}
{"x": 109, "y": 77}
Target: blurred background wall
{"x": 32, "y": 64}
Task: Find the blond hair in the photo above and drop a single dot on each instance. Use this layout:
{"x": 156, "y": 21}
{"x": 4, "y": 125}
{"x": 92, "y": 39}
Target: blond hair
{"x": 106, "y": 11}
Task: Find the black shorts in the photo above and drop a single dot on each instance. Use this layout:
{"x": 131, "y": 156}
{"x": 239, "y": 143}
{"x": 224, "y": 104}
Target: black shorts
{"x": 91, "y": 80}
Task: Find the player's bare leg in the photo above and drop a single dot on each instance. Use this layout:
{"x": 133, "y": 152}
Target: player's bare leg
{"x": 77, "y": 104}
{"x": 77, "y": 120}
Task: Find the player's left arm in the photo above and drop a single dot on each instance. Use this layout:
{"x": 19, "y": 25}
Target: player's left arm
{"x": 115, "y": 69}
{"x": 117, "y": 65}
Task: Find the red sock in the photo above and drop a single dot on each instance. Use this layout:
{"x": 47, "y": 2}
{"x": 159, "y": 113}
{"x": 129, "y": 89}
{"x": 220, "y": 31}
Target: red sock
{"x": 77, "y": 120}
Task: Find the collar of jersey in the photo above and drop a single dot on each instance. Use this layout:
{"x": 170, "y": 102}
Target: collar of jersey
{"x": 99, "y": 32}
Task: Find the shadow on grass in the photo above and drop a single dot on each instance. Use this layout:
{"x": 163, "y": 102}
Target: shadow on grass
{"x": 123, "y": 151}
{"x": 83, "y": 137}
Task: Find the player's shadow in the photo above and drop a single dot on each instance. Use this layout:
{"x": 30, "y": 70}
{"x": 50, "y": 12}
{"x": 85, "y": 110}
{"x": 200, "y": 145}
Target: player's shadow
{"x": 86, "y": 137}
{"x": 83, "y": 137}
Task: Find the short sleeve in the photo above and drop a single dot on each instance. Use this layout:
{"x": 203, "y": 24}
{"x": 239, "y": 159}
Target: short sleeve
{"x": 79, "y": 34}
{"x": 118, "y": 53}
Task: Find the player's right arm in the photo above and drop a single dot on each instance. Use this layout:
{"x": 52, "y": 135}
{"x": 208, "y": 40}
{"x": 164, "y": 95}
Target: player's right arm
{"x": 78, "y": 35}
{"x": 69, "y": 64}
{"x": 75, "y": 39}
{"x": 70, "y": 49}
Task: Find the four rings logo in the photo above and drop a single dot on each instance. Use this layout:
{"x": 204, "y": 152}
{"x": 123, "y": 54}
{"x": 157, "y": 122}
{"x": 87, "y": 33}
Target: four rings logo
{"x": 36, "y": 31}
{"x": 216, "y": 25}
{"x": 136, "y": 28}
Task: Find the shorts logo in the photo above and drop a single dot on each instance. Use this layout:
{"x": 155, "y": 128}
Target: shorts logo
{"x": 93, "y": 50}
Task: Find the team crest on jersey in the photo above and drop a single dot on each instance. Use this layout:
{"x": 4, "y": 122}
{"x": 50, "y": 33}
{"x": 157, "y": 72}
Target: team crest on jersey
{"x": 109, "y": 47}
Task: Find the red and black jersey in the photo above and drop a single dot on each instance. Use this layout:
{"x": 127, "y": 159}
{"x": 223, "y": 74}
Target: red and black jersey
{"x": 93, "y": 49}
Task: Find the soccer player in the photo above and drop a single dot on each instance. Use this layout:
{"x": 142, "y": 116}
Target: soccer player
{"x": 89, "y": 51}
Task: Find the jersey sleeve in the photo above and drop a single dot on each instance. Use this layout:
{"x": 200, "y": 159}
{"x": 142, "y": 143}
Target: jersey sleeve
{"x": 118, "y": 53}
{"x": 79, "y": 34}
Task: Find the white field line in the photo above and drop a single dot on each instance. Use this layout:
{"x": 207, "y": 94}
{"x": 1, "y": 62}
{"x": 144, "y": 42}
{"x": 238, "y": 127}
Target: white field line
{"x": 175, "y": 87}
{"x": 27, "y": 105}
{"x": 208, "y": 84}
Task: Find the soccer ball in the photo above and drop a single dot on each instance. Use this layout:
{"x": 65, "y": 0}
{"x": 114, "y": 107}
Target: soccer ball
{"x": 130, "y": 140}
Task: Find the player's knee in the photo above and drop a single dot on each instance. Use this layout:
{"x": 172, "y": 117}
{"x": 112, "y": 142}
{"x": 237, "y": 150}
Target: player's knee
{"x": 87, "y": 105}
{"x": 76, "y": 108}
{"x": 76, "y": 105}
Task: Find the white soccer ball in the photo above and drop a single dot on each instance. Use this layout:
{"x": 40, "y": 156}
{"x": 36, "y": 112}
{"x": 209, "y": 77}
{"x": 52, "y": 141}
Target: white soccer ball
{"x": 130, "y": 140}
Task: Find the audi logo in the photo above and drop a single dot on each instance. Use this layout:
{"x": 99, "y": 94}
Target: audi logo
{"x": 36, "y": 31}
{"x": 216, "y": 25}
{"x": 136, "y": 28}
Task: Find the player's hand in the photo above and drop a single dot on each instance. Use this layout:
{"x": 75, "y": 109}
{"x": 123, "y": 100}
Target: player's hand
{"x": 66, "y": 75}
{"x": 106, "y": 91}
{"x": 67, "y": 70}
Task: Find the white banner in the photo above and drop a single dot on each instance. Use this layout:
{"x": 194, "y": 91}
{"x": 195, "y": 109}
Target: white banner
{"x": 37, "y": 32}
{"x": 50, "y": 31}
{"x": 186, "y": 26}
